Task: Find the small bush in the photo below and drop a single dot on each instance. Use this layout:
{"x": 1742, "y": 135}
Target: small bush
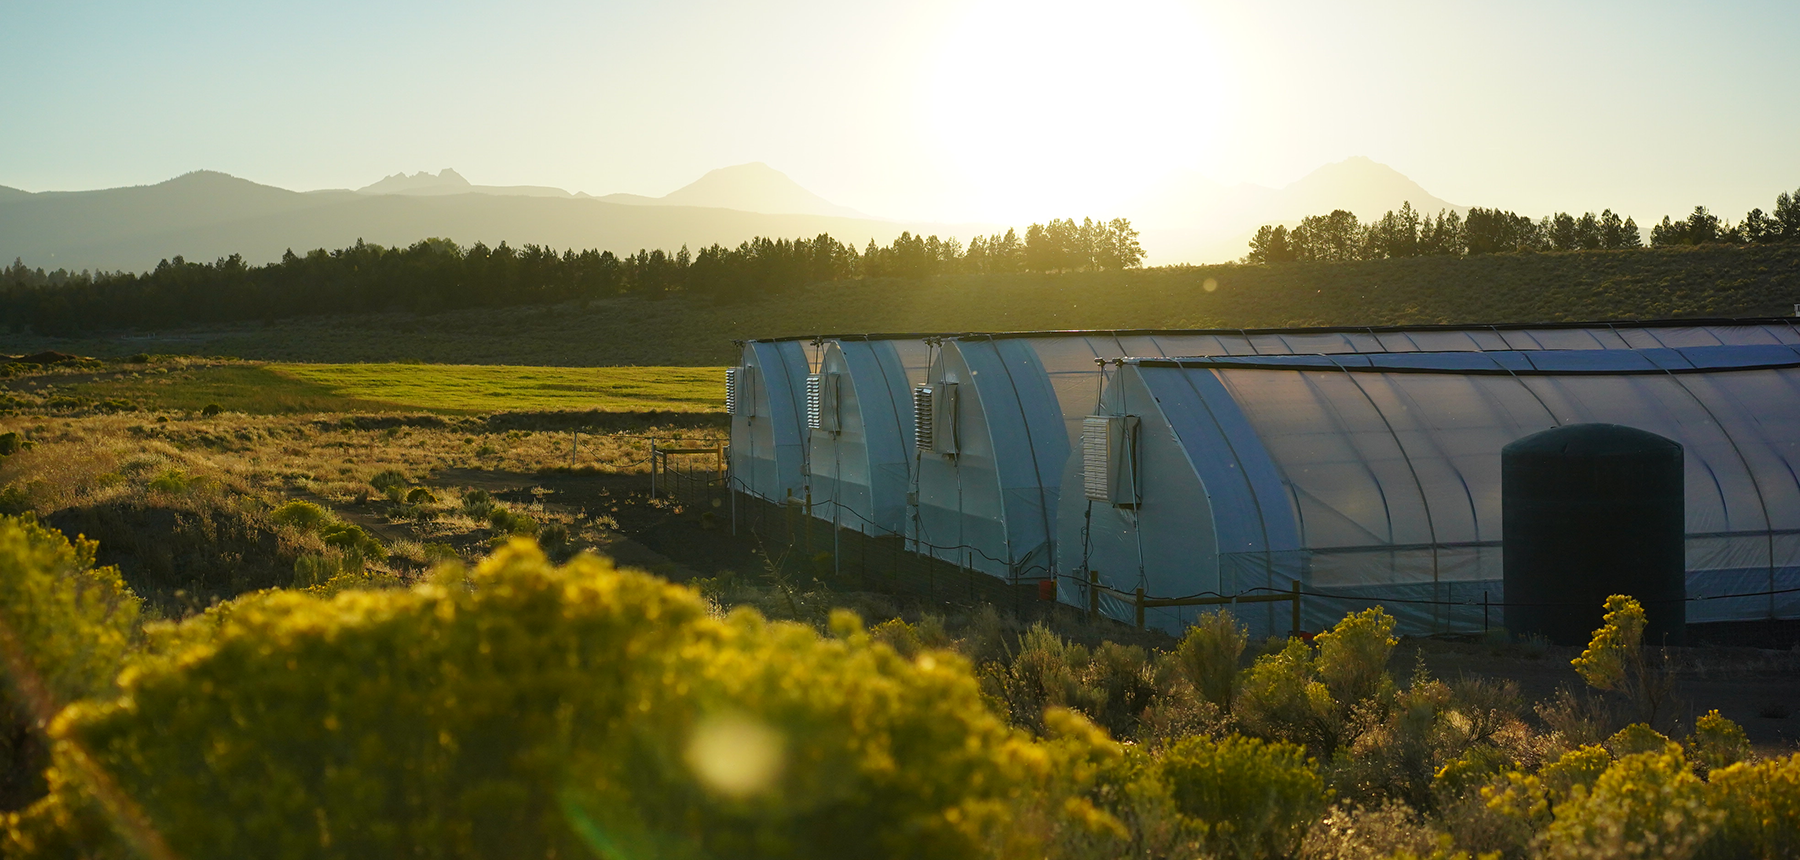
{"x": 1761, "y": 806}
{"x": 1577, "y": 768}
{"x": 1280, "y": 700}
{"x": 11, "y": 443}
{"x": 1353, "y": 656}
{"x": 1717, "y": 743}
{"x": 352, "y": 538}
{"x": 1603, "y": 665}
{"x": 1639, "y": 738}
{"x": 512, "y": 523}
{"x": 1645, "y": 805}
{"x": 302, "y": 515}
{"x": 172, "y": 481}
{"x": 1208, "y": 656}
{"x": 1252, "y": 798}
{"x": 534, "y": 712}
{"x": 477, "y": 503}
{"x": 67, "y": 626}
{"x": 390, "y": 483}
{"x": 211, "y": 409}
{"x": 421, "y": 496}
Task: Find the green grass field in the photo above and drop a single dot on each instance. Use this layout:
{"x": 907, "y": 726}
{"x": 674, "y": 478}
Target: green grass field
{"x": 446, "y": 388}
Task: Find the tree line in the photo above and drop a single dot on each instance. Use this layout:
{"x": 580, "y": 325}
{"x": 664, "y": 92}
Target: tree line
{"x": 440, "y": 275}
{"x": 1409, "y": 233}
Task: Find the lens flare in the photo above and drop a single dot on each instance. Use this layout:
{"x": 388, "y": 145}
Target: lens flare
{"x": 736, "y": 755}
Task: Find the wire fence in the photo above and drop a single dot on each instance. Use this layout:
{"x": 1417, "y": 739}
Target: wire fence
{"x": 829, "y": 538}
{"x": 832, "y": 541}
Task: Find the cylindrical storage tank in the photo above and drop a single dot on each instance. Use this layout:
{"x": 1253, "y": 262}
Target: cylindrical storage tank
{"x": 1588, "y": 511}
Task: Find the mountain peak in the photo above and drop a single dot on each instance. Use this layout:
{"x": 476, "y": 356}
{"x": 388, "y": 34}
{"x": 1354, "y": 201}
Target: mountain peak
{"x": 400, "y": 183}
{"x": 754, "y": 187}
{"x": 1362, "y": 185}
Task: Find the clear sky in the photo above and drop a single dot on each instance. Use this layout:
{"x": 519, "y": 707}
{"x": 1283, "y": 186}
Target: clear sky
{"x": 943, "y": 109}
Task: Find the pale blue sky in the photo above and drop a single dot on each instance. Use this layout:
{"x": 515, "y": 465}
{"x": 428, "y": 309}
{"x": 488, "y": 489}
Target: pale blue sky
{"x": 946, "y": 109}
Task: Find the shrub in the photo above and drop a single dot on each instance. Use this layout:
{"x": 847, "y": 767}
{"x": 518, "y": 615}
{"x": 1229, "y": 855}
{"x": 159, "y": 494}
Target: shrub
{"x": 1251, "y": 798}
{"x": 388, "y": 481}
{"x": 1280, "y": 700}
{"x": 1614, "y": 646}
{"x": 477, "y": 503}
{"x": 1577, "y": 768}
{"x": 1717, "y": 743}
{"x": 510, "y": 523}
{"x": 538, "y": 711}
{"x": 211, "y": 409}
{"x": 65, "y": 626}
{"x": 420, "y": 496}
{"x": 1761, "y": 806}
{"x": 11, "y": 443}
{"x": 1645, "y": 805}
{"x": 1208, "y": 656}
{"x": 302, "y": 515}
{"x": 172, "y": 481}
{"x": 352, "y": 538}
{"x": 1353, "y": 656}
{"x": 1639, "y": 738}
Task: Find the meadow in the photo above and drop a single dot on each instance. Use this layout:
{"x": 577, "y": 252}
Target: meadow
{"x": 287, "y": 388}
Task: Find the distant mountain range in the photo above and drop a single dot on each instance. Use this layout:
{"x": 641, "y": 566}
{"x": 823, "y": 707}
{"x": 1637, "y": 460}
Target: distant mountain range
{"x": 206, "y": 215}
{"x": 1192, "y": 219}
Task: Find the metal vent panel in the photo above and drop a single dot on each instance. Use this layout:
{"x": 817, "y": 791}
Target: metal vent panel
{"x": 1109, "y": 460}
{"x": 923, "y": 417}
{"x": 815, "y": 401}
{"x": 733, "y": 378}
{"x": 1096, "y": 474}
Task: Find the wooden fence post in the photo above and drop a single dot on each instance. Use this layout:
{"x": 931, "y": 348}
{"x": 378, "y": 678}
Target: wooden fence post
{"x": 1296, "y": 608}
{"x": 1140, "y": 607}
{"x": 1093, "y": 600}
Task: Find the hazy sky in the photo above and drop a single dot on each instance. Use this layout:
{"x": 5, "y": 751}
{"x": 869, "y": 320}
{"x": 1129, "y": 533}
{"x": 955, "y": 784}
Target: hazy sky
{"x": 943, "y": 109}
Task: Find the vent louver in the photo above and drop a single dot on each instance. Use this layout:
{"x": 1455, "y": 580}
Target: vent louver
{"x": 1096, "y": 478}
{"x": 815, "y": 384}
{"x": 740, "y": 394}
{"x": 923, "y": 417}
{"x": 1109, "y": 459}
{"x": 822, "y": 402}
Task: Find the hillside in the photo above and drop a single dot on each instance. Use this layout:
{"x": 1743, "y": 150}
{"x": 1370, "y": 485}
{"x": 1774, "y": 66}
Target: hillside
{"x": 1703, "y": 281}
{"x": 206, "y": 215}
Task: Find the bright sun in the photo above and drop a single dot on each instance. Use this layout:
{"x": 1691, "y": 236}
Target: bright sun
{"x": 1067, "y": 108}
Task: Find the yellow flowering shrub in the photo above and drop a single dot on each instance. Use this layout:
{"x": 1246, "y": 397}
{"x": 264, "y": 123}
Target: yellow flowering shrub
{"x": 536, "y": 711}
{"x": 64, "y": 626}
{"x": 1280, "y": 699}
{"x": 1579, "y": 767}
{"x": 1610, "y": 653}
{"x": 1761, "y": 806}
{"x": 1353, "y": 656}
{"x": 1251, "y": 798}
{"x": 1640, "y": 738}
{"x": 1208, "y": 657}
{"x": 1717, "y": 742}
{"x": 1646, "y": 805}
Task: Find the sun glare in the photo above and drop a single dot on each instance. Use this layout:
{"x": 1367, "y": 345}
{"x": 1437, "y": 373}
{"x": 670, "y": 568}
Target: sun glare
{"x": 1060, "y": 107}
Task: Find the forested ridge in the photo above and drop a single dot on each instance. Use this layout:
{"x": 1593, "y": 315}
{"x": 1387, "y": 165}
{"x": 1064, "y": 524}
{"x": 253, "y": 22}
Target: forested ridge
{"x": 1406, "y": 232}
{"x": 438, "y": 275}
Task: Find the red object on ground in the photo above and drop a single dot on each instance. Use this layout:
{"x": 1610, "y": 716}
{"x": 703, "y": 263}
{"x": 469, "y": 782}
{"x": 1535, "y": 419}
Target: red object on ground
{"x": 1046, "y": 589}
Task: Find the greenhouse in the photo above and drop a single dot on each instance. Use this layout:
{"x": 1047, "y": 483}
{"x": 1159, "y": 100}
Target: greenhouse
{"x": 859, "y": 423}
{"x": 764, "y": 395}
{"x": 1009, "y": 409}
{"x": 1377, "y": 476}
